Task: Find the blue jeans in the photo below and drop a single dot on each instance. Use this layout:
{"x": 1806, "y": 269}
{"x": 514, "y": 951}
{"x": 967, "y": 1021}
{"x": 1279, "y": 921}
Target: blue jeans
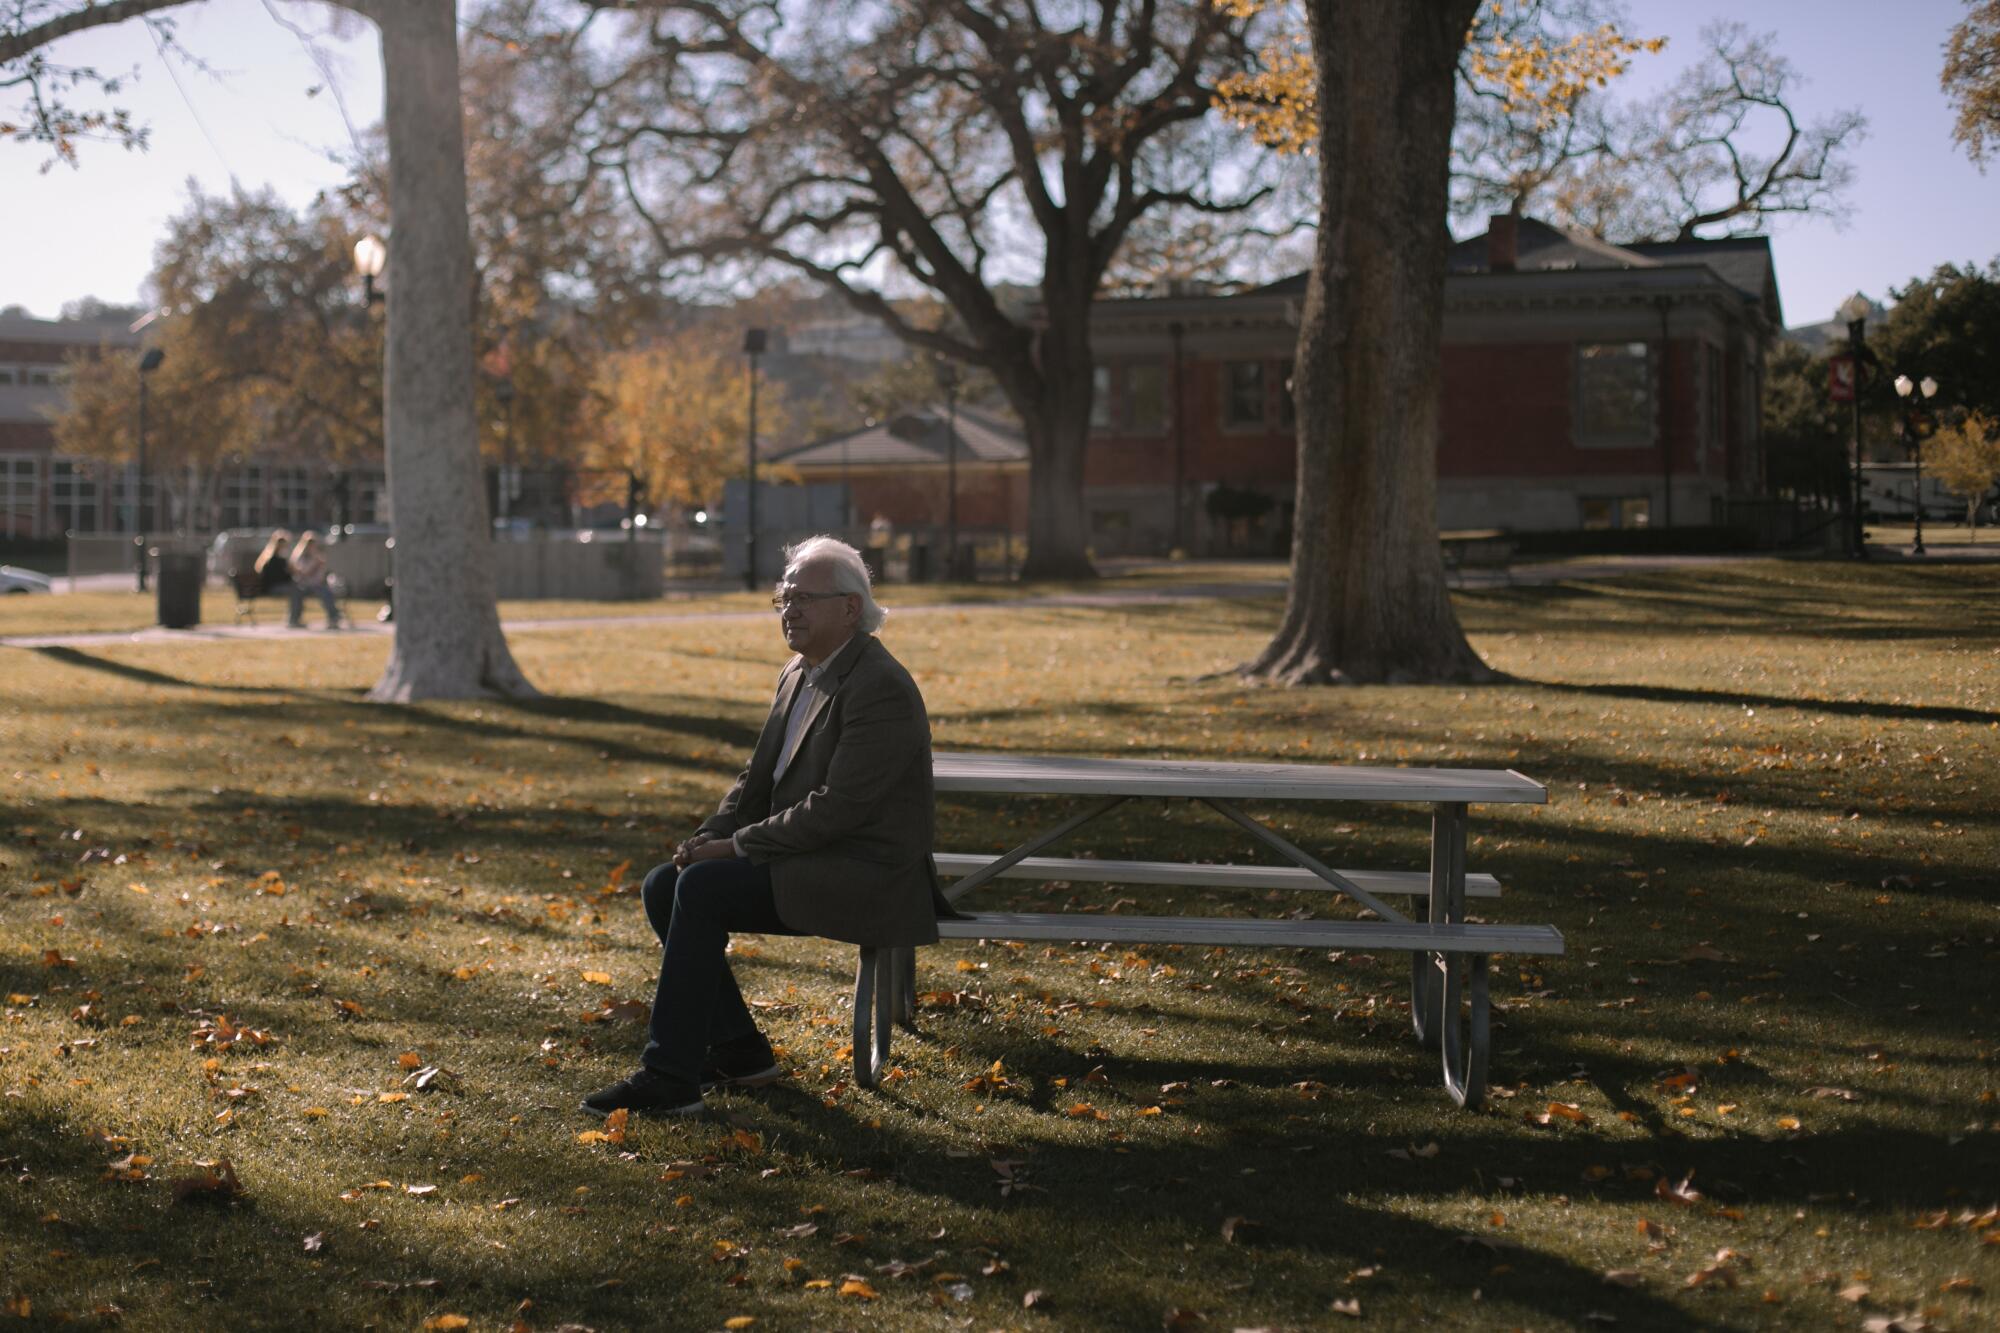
{"x": 296, "y": 597}
{"x": 697, "y": 1004}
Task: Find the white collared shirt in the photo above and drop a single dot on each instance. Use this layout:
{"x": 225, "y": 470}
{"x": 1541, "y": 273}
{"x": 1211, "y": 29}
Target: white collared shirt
{"x": 795, "y": 723}
{"x": 801, "y": 705}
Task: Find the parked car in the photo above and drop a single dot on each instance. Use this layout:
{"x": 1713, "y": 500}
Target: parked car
{"x": 13, "y": 580}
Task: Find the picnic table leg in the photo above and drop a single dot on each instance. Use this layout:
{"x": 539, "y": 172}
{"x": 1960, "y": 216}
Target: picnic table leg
{"x": 874, "y": 1013}
{"x": 1455, "y": 998}
{"x": 1468, "y": 1041}
{"x": 1447, "y": 905}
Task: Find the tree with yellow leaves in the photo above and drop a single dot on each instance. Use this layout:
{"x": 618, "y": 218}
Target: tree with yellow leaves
{"x": 1537, "y": 130}
{"x": 674, "y": 414}
{"x": 1965, "y": 457}
{"x": 1533, "y": 60}
{"x": 1971, "y": 78}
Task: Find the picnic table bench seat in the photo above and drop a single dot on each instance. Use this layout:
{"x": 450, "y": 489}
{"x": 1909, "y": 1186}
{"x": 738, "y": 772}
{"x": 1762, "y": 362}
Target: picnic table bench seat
{"x": 1190, "y": 874}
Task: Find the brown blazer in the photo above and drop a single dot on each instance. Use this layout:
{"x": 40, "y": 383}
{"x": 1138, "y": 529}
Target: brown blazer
{"x": 848, "y": 829}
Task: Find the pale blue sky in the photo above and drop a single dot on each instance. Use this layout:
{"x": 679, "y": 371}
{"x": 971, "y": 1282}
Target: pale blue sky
{"x": 1917, "y": 202}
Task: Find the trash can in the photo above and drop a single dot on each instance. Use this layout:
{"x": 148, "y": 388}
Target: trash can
{"x": 178, "y": 574}
{"x": 871, "y": 556}
{"x": 920, "y": 562}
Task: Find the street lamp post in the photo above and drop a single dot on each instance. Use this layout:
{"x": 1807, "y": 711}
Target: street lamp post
{"x": 148, "y": 363}
{"x": 1855, "y": 311}
{"x": 948, "y": 381}
{"x": 1175, "y": 332}
{"x": 370, "y": 255}
{"x": 754, "y": 342}
{"x": 1929, "y": 387}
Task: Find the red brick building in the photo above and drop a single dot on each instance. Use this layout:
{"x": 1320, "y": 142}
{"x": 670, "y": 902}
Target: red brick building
{"x": 899, "y": 470}
{"x": 1585, "y": 385}
{"x": 42, "y": 493}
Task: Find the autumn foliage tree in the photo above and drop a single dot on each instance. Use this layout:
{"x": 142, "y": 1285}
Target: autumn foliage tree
{"x": 1965, "y": 457}
{"x": 673, "y": 413}
{"x": 267, "y": 342}
{"x": 1540, "y": 127}
{"x": 1971, "y": 78}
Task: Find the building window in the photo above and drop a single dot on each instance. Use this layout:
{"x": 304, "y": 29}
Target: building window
{"x": 243, "y": 498}
{"x": 120, "y": 490}
{"x": 20, "y": 496}
{"x": 1243, "y": 393}
{"x": 1146, "y": 398}
{"x": 72, "y": 497}
{"x": 291, "y": 493}
{"x": 6, "y": 375}
{"x": 1614, "y": 394}
{"x": 1603, "y": 512}
{"x": 1717, "y": 398}
{"x": 1100, "y": 398}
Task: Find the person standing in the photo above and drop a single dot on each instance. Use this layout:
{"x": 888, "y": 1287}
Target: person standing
{"x": 827, "y": 831}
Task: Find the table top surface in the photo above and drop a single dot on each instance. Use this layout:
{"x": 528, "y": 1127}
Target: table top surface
{"x": 1056, "y": 775}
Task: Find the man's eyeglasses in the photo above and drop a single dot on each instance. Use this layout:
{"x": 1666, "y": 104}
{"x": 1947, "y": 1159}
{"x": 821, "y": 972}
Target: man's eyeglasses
{"x": 785, "y": 601}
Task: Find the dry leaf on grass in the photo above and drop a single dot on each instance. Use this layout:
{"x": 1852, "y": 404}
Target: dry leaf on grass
{"x": 217, "y": 1180}
{"x": 1558, "y": 1112}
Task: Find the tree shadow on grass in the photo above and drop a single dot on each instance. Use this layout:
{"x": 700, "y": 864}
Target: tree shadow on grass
{"x": 710, "y": 725}
{"x": 1868, "y": 708}
{"x": 76, "y": 657}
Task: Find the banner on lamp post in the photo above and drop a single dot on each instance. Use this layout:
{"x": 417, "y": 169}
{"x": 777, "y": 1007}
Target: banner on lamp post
{"x": 1840, "y": 379}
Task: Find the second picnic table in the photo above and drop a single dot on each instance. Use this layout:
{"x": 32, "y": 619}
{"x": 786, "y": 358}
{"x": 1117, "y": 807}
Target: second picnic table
{"x": 1448, "y": 995}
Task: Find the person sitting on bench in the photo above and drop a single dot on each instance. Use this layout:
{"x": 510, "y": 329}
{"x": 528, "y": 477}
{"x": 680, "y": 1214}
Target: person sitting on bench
{"x": 309, "y": 575}
{"x": 827, "y": 831}
{"x": 274, "y": 565}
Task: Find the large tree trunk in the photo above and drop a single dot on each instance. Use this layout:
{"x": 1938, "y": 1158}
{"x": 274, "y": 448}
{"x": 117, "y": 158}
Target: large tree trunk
{"x": 1057, "y": 425}
{"x": 1368, "y": 600}
{"x": 448, "y": 640}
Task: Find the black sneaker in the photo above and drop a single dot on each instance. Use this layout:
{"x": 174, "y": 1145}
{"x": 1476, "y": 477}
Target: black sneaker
{"x": 646, "y": 1093}
{"x": 742, "y": 1067}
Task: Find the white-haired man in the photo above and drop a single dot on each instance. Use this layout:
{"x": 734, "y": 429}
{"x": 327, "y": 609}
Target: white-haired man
{"x": 827, "y": 831}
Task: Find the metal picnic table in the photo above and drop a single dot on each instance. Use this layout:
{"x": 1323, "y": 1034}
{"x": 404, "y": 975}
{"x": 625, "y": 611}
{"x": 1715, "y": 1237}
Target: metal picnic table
{"x": 1448, "y": 953}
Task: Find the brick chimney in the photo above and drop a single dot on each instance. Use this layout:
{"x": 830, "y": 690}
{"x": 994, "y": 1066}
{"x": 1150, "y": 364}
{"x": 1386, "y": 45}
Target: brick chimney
{"x": 1503, "y": 243}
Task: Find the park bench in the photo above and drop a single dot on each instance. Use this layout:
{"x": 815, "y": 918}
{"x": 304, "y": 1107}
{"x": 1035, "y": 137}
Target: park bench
{"x": 248, "y": 585}
{"x": 1448, "y": 987}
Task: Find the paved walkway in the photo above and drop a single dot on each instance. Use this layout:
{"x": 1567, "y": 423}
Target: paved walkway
{"x": 1529, "y": 574}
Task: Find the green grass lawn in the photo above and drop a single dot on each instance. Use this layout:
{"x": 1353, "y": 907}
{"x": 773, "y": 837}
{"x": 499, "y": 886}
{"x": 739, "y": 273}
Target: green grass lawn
{"x": 371, "y": 956}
